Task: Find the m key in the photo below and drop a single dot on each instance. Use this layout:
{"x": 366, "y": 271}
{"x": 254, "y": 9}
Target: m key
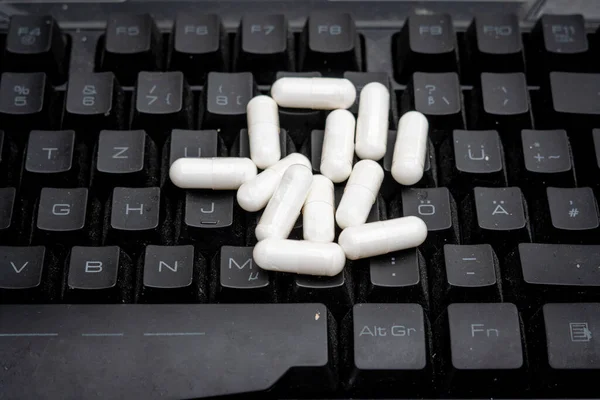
{"x": 239, "y": 279}
{"x": 173, "y": 274}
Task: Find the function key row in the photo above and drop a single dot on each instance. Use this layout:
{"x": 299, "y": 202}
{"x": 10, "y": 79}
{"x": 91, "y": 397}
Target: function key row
{"x": 329, "y": 42}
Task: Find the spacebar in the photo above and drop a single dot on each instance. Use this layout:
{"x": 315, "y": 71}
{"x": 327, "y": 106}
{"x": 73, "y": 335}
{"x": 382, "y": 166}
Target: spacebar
{"x": 156, "y": 351}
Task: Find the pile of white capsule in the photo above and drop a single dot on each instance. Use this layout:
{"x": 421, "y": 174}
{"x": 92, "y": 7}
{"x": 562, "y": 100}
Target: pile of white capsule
{"x": 286, "y": 187}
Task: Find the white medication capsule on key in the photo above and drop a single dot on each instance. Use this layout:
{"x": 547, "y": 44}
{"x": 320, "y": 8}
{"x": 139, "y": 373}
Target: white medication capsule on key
{"x": 373, "y": 122}
{"x": 410, "y": 149}
{"x": 254, "y": 195}
{"x": 278, "y": 219}
{"x": 338, "y": 145}
{"x": 377, "y": 238}
{"x": 314, "y": 93}
{"x": 318, "y": 222}
{"x": 360, "y": 194}
{"x": 263, "y": 131}
{"x": 218, "y": 173}
{"x": 300, "y": 257}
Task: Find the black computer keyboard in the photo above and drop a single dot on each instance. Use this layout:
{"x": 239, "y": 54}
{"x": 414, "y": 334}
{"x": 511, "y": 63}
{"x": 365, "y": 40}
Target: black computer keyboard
{"x": 116, "y": 284}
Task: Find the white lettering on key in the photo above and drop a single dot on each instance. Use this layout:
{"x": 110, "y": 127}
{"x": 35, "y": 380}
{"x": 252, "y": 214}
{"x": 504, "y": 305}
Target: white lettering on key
{"x": 93, "y": 267}
{"x": 232, "y": 262}
{"x": 120, "y": 151}
{"x": 19, "y": 270}
{"x": 49, "y": 150}
{"x": 61, "y": 209}
{"x": 161, "y": 263}
{"x": 481, "y": 328}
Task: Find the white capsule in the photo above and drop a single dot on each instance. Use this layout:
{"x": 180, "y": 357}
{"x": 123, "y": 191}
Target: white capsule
{"x": 372, "y": 122}
{"x": 382, "y": 237}
{"x": 314, "y": 93}
{"x": 360, "y": 194}
{"x": 283, "y": 209}
{"x": 338, "y": 145}
{"x": 318, "y": 223}
{"x": 254, "y": 195}
{"x": 410, "y": 149}
{"x": 300, "y": 257}
{"x": 263, "y": 131}
{"x": 217, "y": 173}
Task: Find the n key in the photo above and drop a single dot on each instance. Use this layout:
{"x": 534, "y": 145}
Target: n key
{"x": 239, "y": 279}
{"x": 132, "y": 43}
{"x": 27, "y": 275}
{"x": 94, "y": 101}
{"x": 49, "y": 159}
{"x": 24, "y": 102}
{"x": 162, "y": 101}
{"x": 225, "y": 98}
{"x": 173, "y": 274}
{"x": 264, "y": 46}
{"x": 427, "y": 43}
{"x": 199, "y": 46}
{"x": 99, "y": 275}
{"x": 330, "y": 43}
{"x": 34, "y": 44}
{"x": 125, "y": 158}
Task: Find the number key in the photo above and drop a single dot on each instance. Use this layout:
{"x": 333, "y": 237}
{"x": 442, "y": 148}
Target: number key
{"x": 94, "y": 102}
{"x": 24, "y": 102}
{"x": 225, "y": 99}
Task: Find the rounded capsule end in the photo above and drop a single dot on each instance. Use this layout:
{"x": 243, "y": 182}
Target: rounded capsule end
{"x": 338, "y": 260}
{"x": 177, "y": 173}
{"x": 373, "y": 152}
{"x": 407, "y": 172}
{"x": 419, "y": 229}
{"x": 349, "y": 245}
{"x": 336, "y": 170}
{"x": 349, "y": 93}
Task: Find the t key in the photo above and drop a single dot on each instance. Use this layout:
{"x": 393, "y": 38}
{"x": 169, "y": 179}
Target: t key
{"x": 24, "y": 102}
{"x": 330, "y": 43}
{"x": 225, "y": 99}
{"x": 63, "y": 215}
{"x": 162, "y": 101}
{"x": 427, "y": 43}
{"x": 35, "y": 43}
{"x": 94, "y": 101}
{"x": 132, "y": 43}
{"x": 438, "y": 96}
{"x": 199, "y": 46}
{"x": 263, "y": 46}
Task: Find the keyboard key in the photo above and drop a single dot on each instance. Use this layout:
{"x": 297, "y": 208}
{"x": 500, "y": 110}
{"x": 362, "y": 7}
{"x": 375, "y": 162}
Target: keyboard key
{"x": 389, "y": 345}
{"x": 485, "y": 342}
{"x": 476, "y": 158}
{"x": 162, "y": 101}
{"x": 135, "y": 216}
{"x": 395, "y": 278}
{"x": 132, "y": 43}
{"x": 49, "y": 160}
{"x": 173, "y": 274}
{"x": 426, "y": 43}
{"x": 362, "y": 79}
{"x": 24, "y": 102}
{"x": 561, "y": 43}
{"x": 505, "y": 102}
{"x": 94, "y": 101}
{"x": 186, "y": 143}
{"x": 199, "y": 46}
{"x": 8, "y": 215}
{"x": 333, "y": 291}
{"x": 546, "y": 159}
{"x": 125, "y": 158}
{"x": 264, "y": 46}
{"x": 553, "y": 272}
{"x": 498, "y": 218}
{"x": 211, "y": 219}
{"x": 225, "y": 98}
{"x": 495, "y": 43}
{"x": 300, "y": 122}
{"x": 330, "y": 43}
{"x": 64, "y": 215}
{"x": 241, "y": 146}
{"x": 472, "y": 274}
{"x": 438, "y": 97}
{"x": 240, "y": 279}
{"x": 296, "y": 335}
{"x": 390, "y": 186}
{"x": 569, "y": 353}
{"x": 99, "y": 275}
{"x": 574, "y": 100}
{"x": 34, "y": 43}
{"x": 10, "y": 161}
{"x": 29, "y": 274}
{"x": 573, "y": 216}
{"x": 436, "y": 207}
